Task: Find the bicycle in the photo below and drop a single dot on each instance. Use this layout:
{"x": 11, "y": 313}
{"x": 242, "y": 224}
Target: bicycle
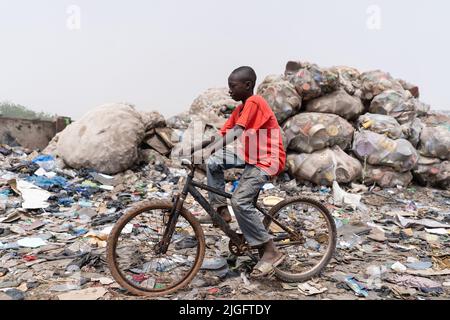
{"x": 145, "y": 256}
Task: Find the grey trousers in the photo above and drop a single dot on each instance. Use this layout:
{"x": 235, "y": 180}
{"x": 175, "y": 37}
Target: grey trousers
{"x": 250, "y": 183}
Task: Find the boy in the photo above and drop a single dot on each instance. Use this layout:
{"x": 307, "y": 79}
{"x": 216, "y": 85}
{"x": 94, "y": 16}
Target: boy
{"x": 261, "y": 154}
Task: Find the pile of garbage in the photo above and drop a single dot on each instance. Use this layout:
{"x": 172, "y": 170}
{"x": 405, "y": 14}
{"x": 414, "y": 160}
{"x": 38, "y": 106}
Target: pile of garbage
{"x": 358, "y": 127}
{"x": 355, "y": 141}
{"x": 342, "y": 125}
{"x": 338, "y": 125}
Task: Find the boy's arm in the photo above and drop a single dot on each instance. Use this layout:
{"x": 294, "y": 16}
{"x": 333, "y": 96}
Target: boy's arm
{"x": 225, "y": 140}
{"x": 220, "y": 142}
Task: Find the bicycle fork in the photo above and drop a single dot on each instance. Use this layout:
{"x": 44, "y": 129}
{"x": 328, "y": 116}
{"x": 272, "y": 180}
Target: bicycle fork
{"x": 163, "y": 245}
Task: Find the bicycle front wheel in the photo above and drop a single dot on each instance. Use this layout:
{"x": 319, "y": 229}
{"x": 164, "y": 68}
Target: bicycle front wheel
{"x": 133, "y": 256}
{"x": 310, "y": 242}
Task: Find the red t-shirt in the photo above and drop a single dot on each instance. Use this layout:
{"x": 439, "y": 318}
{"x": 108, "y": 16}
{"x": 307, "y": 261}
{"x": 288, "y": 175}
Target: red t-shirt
{"x": 261, "y": 144}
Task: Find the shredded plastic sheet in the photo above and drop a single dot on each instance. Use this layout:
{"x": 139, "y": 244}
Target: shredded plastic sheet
{"x": 33, "y": 196}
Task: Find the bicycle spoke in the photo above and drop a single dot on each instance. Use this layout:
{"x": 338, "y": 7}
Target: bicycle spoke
{"x": 309, "y": 253}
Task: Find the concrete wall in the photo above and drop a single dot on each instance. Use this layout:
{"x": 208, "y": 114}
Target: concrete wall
{"x": 32, "y": 134}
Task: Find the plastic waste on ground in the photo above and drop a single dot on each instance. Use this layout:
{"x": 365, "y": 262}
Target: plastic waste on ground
{"x": 93, "y": 293}
{"x": 47, "y": 183}
{"x": 420, "y": 265}
{"x": 186, "y": 242}
{"x": 406, "y": 222}
{"x": 310, "y": 288}
{"x": 104, "y": 179}
{"x": 342, "y": 198}
{"x": 31, "y": 242}
{"x": 423, "y": 284}
{"x": 46, "y": 162}
{"x": 348, "y": 241}
{"x": 399, "y": 267}
{"x": 33, "y": 196}
{"x": 356, "y": 287}
{"x": 213, "y": 264}
{"x": 3, "y": 202}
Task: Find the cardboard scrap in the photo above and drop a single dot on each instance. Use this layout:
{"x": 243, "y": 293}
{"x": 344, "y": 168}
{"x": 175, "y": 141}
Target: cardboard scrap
{"x": 84, "y": 294}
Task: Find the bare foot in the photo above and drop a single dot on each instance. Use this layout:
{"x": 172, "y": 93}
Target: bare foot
{"x": 270, "y": 258}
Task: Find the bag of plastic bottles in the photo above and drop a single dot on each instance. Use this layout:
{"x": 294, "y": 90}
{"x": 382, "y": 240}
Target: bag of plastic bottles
{"x": 339, "y": 103}
{"x": 398, "y": 104}
{"x": 381, "y": 124}
{"x": 376, "y": 149}
{"x": 324, "y": 166}
{"x": 375, "y": 82}
{"x": 281, "y": 96}
{"x": 435, "y": 142}
{"x": 432, "y": 172}
{"x": 308, "y": 132}
{"x": 386, "y": 177}
{"x": 309, "y": 80}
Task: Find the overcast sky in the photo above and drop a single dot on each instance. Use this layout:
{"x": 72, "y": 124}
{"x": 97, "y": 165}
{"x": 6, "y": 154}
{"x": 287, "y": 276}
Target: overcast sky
{"x": 67, "y": 57}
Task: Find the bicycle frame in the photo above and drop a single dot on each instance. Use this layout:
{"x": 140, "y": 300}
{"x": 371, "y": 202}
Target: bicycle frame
{"x": 190, "y": 188}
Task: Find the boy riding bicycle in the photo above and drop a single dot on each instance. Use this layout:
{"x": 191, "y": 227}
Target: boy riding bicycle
{"x": 261, "y": 154}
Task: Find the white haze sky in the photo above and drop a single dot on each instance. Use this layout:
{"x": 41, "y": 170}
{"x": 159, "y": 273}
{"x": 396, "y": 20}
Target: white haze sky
{"x": 159, "y": 55}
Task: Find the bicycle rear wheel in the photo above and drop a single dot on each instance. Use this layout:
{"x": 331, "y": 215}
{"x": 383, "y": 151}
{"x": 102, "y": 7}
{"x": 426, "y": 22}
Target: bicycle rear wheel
{"x": 132, "y": 254}
{"x": 308, "y": 256}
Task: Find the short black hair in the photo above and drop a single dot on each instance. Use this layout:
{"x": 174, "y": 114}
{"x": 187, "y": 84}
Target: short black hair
{"x": 246, "y": 74}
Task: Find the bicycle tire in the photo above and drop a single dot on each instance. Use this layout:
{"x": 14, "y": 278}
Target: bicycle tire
{"x": 113, "y": 242}
{"x": 299, "y": 277}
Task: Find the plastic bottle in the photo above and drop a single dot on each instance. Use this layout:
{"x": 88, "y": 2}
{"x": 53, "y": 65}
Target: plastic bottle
{"x": 235, "y": 185}
{"x": 349, "y": 242}
{"x": 312, "y": 244}
{"x": 356, "y": 287}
